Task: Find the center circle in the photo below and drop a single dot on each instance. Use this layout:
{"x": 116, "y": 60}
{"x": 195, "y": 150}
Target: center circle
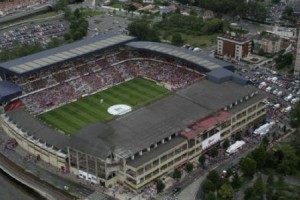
{"x": 119, "y": 109}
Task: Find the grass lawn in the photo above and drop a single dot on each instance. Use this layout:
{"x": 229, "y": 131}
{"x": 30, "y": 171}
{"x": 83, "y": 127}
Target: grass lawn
{"x": 91, "y": 12}
{"x": 73, "y": 116}
{"x": 194, "y": 40}
{"x": 116, "y": 4}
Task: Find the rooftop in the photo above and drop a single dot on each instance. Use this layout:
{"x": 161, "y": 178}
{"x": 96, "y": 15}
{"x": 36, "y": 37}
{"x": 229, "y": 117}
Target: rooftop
{"x": 60, "y": 54}
{"x": 37, "y": 129}
{"x": 200, "y": 59}
{"x": 148, "y": 125}
{"x": 153, "y": 153}
{"x": 8, "y": 91}
{"x": 237, "y": 38}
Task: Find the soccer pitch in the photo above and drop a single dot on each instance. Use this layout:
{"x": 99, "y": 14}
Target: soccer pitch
{"x": 73, "y": 116}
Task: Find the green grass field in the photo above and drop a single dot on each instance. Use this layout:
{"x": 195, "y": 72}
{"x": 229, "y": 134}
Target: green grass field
{"x": 73, "y": 116}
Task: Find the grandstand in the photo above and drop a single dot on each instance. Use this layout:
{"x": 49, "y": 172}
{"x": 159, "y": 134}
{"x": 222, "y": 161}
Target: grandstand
{"x": 72, "y": 87}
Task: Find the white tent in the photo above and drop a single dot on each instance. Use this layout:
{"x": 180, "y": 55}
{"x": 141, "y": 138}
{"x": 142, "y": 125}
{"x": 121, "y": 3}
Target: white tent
{"x": 264, "y": 129}
{"x": 234, "y": 147}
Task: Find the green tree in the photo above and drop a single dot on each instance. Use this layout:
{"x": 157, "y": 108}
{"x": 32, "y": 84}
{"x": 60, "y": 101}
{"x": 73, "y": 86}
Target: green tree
{"x": 214, "y": 152}
{"x": 249, "y": 192}
{"x": 177, "y": 39}
{"x": 295, "y": 117}
{"x": 160, "y": 186}
{"x": 193, "y": 12}
{"x": 226, "y": 192}
{"x": 236, "y": 181}
{"x": 141, "y": 29}
{"x": 259, "y": 186}
{"x": 238, "y": 136}
{"x": 284, "y": 60}
{"x": 226, "y": 143}
{"x": 265, "y": 141}
{"x": 280, "y": 180}
{"x": 177, "y": 174}
{"x": 260, "y": 156}
{"x": 61, "y": 5}
{"x": 215, "y": 178}
{"x": 248, "y": 166}
{"x": 290, "y": 160}
{"x": 210, "y": 196}
{"x": 202, "y": 159}
{"x": 207, "y": 186}
{"x": 270, "y": 179}
{"x": 189, "y": 167}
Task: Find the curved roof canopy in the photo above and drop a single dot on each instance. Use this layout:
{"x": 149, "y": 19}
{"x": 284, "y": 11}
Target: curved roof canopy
{"x": 203, "y": 61}
{"x": 60, "y": 54}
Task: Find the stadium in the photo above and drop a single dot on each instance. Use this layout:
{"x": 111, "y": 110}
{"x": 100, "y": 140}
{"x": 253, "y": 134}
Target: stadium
{"x": 112, "y": 109}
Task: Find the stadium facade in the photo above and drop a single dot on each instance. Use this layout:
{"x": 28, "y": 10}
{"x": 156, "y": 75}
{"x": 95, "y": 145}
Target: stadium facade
{"x": 146, "y": 143}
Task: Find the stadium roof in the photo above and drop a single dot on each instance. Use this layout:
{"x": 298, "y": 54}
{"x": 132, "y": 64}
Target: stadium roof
{"x": 148, "y": 125}
{"x": 100, "y": 132}
{"x": 202, "y": 60}
{"x": 60, "y": 54}
{"x": 37, "y": 129}
{"x": 220, "y": 75}
{"x": 8, "y": 91}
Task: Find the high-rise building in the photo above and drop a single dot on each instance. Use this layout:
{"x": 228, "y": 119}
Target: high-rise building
{"x": 297, "y": 60}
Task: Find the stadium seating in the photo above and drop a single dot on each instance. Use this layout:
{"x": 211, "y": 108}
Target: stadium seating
{"x": 69, "y": 81}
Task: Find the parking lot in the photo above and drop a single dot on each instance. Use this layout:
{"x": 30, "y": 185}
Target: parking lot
{"x": 283, "y": 90}
{"x": 30, "y": 33}
{"x": 102, "y": 24}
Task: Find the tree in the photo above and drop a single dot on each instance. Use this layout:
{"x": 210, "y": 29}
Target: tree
{"x": 248, "y": 166}
{"x": 208, "y": 186}
{"x": 270, "y": 179}
{"x": 265, "y": 141}
{"x": 259, "y": 186}
{"x": 226, "y": 192}
{"x": 210, "y": 196}
{"x": 260, "y": 156}
{"x": 238, "y": 136}
{"x": 160, "y": 186}
{"x": 226, "y": 143}
{"x": 202, "y": 159}
{"x": 290, "y": 160}
{"x": 236, "y": 181}
{"x": 295, "y": 117}
{"x": 141, "y": 29}
{"x": 193, "y": 12}
{"x": 177, "y": 174}
{"x": 249, "y": 192}
{"x": 61, "y": 5}
{"x": 215, "y": 178}
{"x": 189, "y": 167}
{"x": 280, "y": 180}
{"x": 214, "y": 152}
{"x": 177, "y": 39}
{"x": 284, "y": 60}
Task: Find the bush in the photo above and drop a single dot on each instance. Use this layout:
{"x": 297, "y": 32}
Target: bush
{"x": 177, "y": 174}
{"x": 160, "y": 186}
{"x": 189, "y": 167}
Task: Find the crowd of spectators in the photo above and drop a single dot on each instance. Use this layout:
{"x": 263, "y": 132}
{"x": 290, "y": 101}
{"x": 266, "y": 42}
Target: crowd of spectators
{"x": 65, "y": 83}
{"x": 42, "y": 33}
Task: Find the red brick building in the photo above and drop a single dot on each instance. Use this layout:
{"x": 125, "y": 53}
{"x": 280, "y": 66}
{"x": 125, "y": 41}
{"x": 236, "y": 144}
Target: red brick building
{"x": 235, "y": 47}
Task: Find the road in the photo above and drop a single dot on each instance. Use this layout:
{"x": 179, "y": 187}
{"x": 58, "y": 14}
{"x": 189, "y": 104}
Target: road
{"x": 45, "y": 173}
{"x": 45, "y": 189}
